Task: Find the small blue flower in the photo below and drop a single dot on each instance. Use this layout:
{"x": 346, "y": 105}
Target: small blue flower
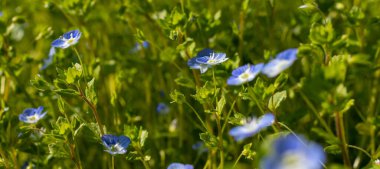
{"x": 138, "y": 46}
{"x": 244, "y": 74}
{"x": 206, "y": 59}
{"x": 292, "y": 151}
{"x": 115, "y": 144}
{"x": 252, "y": 127}
{"x": 282, "y": 61}
{"x": 32, "y": 115}
{"x": 68, "y": 39}
{"x": 162, "y": 108}
{"x": 48, "y": 60}
{"x": 180, "y": 166}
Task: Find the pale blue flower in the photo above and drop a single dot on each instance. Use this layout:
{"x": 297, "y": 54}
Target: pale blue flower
{"x": 32, "y": 115}
{"x": 252, "y": 127}
{"x": 68, "y": 39}
{"x": 180, "y": 166}
{"x": 162, "y": 108}
{"x": 206, "y": 59}
{"x": 294, "y": 152}
{"x": 244, "y": 74}
{"x": 140, "y": 46}
{"x": 282, "y": 61}
{"x": 115, "y": 144}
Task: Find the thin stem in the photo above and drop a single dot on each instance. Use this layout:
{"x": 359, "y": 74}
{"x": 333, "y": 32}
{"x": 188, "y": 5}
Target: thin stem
{"x": 113, "y": 162}
{"x": 228, "y": 115}
{"x": 81, "y": 63}
{"x": 146, "y": 165}
{"x": 196, "y": 113}
{"x": 360, "y": 149}
{"x": 237, "y": 160}
{"x": 342, "y": 137}
{"x": 93, "y": 108}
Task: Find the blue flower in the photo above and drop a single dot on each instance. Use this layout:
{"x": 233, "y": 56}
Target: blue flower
{"x": 205, "y": 59}
{"x": 282, "y": 61}
{"x": 68, "y": 39}
{"x": 162, "y": 108}
{"x": 138, "y": 46}
{"x": 32, "y": 115}
{"x": 252, "y": 127}
{"x": 244, "y": 74}
{"x": 180, "y": 166}
{"x": 115, "y": 144}
{"x": 48, "y": 60}
{"x": 292, "y": 151}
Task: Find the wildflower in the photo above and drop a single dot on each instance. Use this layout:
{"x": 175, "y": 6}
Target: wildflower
{"x": 292, "y": 151}
{"x": 206, "y": 59}
{"x": 68, "y": 39}
{"x": 162, "y": 108}
{"x": 139, "y": 46}
{"x": 282, "y": 61}
{"x": 32, "y": 115}
{"x": 377, "y": 162}
{"x": 200, "y": 147}
{"x": 244, "y": 74}
{"x": 48, "y": 60}
{"x": 115, "y": 144}
{"x": 173, "y": 125}
{"x": 252, "y": 127}
{"x": 180, "y": 166}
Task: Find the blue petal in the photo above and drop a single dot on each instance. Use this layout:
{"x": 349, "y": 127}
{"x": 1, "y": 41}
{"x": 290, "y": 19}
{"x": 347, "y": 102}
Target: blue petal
{"x": 59, "y": 43}
{"x": 256, "y": 68}
{"x": 240, "y": 133}
{"x": 289, "y": 54}
{"x": 192, "y": 63}
{"x": 266, "y": 120}
{"x": 205, "y": 52}
{"x": 180, "y": 166}
{"x": 72, "y": 34}
{"x": 48, "y": 60}
{"x": 109, "y": 140}
{"x": 220, "y": 56}
{"x": 202, "y": 60}
{"x": 203, "y": 68}
{"x": 238, "y": 71}
{"x": 124, "y": 141}
{"x": 234, "y": 81}
{"x": 145, "y": 44}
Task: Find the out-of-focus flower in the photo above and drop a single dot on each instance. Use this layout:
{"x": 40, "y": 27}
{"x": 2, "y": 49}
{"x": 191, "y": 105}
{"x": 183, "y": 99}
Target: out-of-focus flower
{"x": 294, "y": 152}
{"x": 48, "y": 60}
{"x": 115, "y": 144}
{"x": 173, "y": 125}
{"x": 68, "y": 39}
{"x": 200, "y": 147}
{"x": 28, "y": 165}
{"x": 140, "y": 46}
{"x": 32, "y": 115}
{"x": 162, "y": 108}
{"x": 244, "y": 74}
{"x": 206, "y": 59}
{"x": 282, "y": 61}
{"x": 180, "y": 166}
{"x": 251, "y": 127}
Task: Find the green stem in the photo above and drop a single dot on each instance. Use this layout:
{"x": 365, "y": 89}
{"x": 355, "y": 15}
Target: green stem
{"x": 360, "y": 149}
{"x": 196, "y": 113}
{"x": 237, "y": 160}
{"x": 113, "y": 162}
{"x": 342, "y": 137}
{"x": 84, "y": 72}
{"x": 93, "y": 108}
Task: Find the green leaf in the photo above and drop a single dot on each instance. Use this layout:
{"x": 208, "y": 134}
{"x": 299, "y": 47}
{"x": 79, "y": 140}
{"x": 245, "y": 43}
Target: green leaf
{"x": 90, "y": 92}
{"x": 143, "y": 136}
{"x": 185, "y": 82}
{"x": 247, "y": 152}
{"x": 177, "y": 96}
{"x": 73, "y": 73}
{"x": 333, "y": 149}
{"x": 365, "y": 128}
{"x": 61, "y": 104}
{"x": 276, "y": 99}
{"x": 220, "y": 105}
{"x": 209, "y": 140}
{"x": 321, "y": 34}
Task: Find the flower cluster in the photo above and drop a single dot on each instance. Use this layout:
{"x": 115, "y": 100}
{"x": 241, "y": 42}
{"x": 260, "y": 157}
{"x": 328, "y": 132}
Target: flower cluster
{"x": 115, "y": 144}
{"x": 292, "y": 151}
{"x": 251, "y": 127}
{"x": 206, "y": 59}
{"x": 248, "y": 72}
{"x": 32, "y": 115}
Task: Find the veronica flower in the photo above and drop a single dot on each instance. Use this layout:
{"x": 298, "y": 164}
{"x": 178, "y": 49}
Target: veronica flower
{"x": 115, "y": 144}
{"x": 206, "y": 59}
{"x": 32, "y": 115}
{"x": 162, "y": 108}
{"x": 244, "y": 74}
{"x": 294, "y": 152}
{"x": 68, "y": 39}
{"x": 138, "y": 46}
{"x": 282, "y": 61}
{"x": 180, "y": 166}
{"x": 252, "y": 127}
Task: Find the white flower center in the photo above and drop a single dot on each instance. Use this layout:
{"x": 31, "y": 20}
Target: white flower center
{"x": 294, "y": 160}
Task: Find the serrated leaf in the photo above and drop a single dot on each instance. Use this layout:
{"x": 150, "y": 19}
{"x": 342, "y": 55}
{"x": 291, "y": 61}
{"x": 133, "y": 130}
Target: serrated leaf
{"x": 220, "y": 105}
{"x": 333, "y": 149}
{"x": 209, "y": 140}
